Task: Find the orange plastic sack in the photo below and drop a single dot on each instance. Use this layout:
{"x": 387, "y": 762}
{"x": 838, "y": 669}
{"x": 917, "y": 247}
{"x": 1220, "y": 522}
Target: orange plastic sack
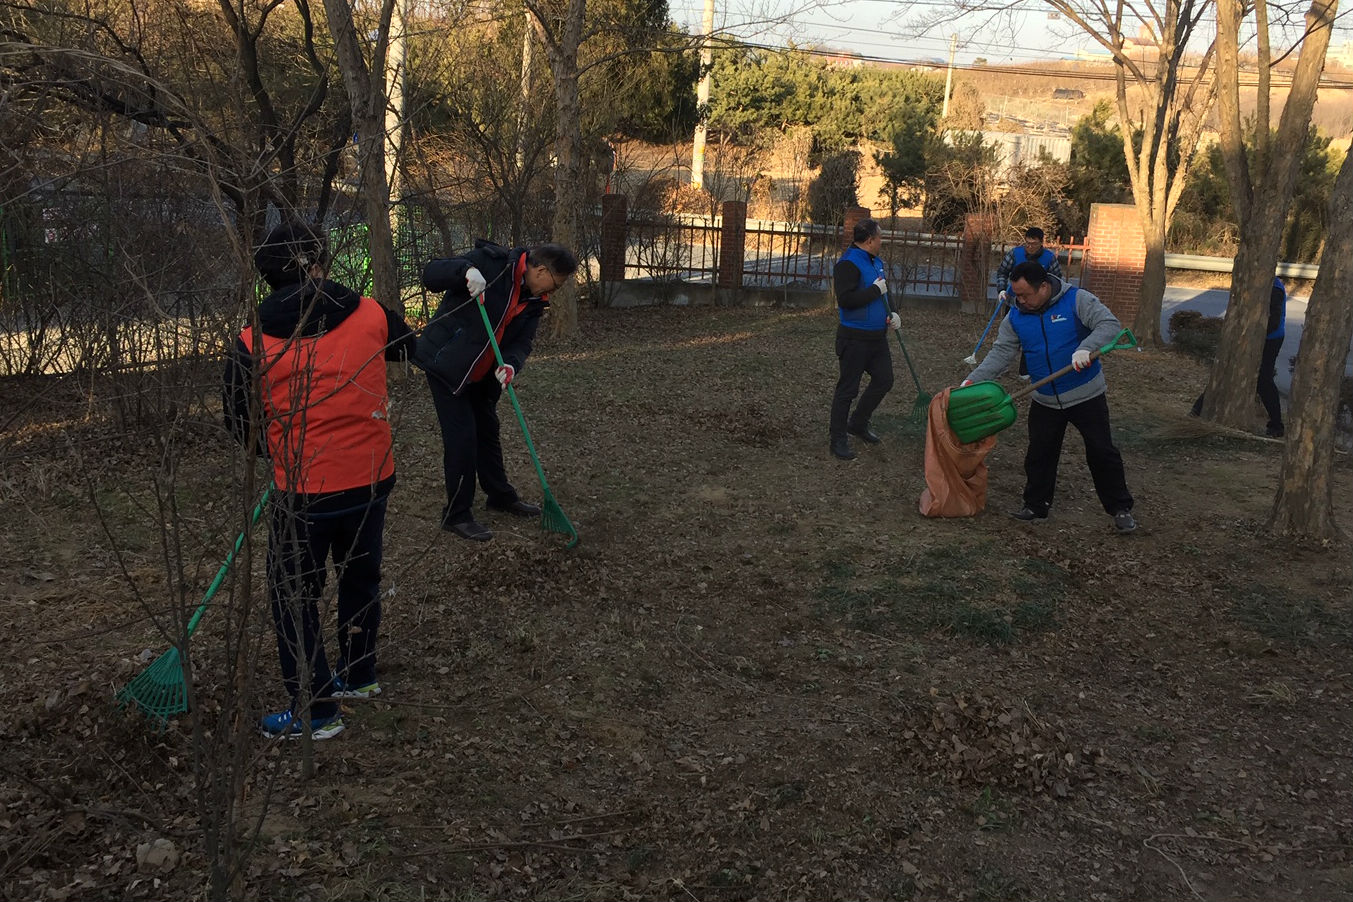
{"x": 955, "y": 473}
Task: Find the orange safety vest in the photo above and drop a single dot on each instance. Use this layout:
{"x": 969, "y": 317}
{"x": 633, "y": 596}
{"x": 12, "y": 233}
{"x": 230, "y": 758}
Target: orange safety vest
{"x": 326, "y": 404}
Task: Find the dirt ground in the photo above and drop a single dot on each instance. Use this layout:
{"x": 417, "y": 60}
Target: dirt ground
{"x": 761, "y": 675}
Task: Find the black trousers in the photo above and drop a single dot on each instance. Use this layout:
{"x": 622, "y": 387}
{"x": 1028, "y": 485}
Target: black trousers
{"x": 471, "y": 446}
{"x": 299, "y": 547}
{"x": 857, "y": 357}
{"x": 1047, "y": 428}
{"x": 1264, "y": 385}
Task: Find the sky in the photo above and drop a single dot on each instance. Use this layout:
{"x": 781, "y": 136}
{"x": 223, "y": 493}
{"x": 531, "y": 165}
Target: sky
{"x": 883, "y": 29}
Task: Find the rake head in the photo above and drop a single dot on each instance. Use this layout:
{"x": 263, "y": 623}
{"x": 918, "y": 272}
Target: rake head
{"x": 553, "y": 519}
{"x": 159, "y": 690}
{"x": 970, "y": 360}
{"x": 920, "y": 408}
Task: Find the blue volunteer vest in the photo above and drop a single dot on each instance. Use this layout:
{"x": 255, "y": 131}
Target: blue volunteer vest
{"x": 1045, "y": 257}
{"x": 873, "y": 315}
{"x": 1281, "y": 331}
{"x": 1049, "y": 339}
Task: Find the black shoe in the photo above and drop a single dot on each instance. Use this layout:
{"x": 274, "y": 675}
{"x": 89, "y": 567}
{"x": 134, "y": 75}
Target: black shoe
{"x": 1275, "y": 431}
{"x": 1027, "y": 514}
{"x": 841, "y": 449}
{"x": 517, "y": 508}
{"x": 1124, "y": 522}
{"x": 866, "y": 434}
{"x": 469, "y": 529}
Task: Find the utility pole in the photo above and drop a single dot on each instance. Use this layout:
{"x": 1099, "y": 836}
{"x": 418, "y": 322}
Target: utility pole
{"x": 949, "y": 78}
{"x": 702, "y": 99}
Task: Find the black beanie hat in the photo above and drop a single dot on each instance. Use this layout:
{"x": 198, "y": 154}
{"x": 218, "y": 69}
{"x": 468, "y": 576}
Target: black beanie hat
{"x": 286, "y": 255}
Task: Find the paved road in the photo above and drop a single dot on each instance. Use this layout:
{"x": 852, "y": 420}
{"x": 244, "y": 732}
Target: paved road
{"x": 1212, "y": 302}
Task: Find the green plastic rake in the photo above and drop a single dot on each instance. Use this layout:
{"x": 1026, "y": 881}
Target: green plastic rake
{"x": 920, "y": 408}
{"x": 159, "y": 691}
{"x": 552, "y": 517}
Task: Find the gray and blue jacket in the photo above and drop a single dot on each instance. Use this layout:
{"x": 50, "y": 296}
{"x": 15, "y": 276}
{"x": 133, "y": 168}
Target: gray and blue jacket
{"x": 1072, "y": 319}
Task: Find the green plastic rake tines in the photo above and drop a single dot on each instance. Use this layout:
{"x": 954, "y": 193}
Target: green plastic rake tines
{"x": 552, "y": 516}
{"x": 159, "y": 691}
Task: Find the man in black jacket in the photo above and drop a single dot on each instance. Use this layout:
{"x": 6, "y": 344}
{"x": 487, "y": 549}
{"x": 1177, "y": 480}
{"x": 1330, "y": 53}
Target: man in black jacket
{"x": 514, "y": 286}
{"x": 860, "y": 280}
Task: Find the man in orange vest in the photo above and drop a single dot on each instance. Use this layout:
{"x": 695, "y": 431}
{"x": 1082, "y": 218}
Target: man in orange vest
{"x": 321, "y": 415}
{"x": 514, "y": 286}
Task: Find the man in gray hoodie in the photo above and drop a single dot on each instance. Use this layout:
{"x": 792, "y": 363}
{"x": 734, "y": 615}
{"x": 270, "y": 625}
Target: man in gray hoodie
{"x": 1052, "y": 325}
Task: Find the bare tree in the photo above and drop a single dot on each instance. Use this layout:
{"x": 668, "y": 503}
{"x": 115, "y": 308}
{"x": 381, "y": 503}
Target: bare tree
{"x": 1162, "y": 102}
{"x": 1304, "y": 505}
{"x": 367, "y": 92}
{"x": 560, "y": 30}
{"x": 1261, "y": 185}
{"x": 1162, "y": 122}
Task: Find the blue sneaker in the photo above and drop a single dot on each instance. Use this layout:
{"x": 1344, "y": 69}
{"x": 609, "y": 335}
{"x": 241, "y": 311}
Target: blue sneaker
{"x": 289, "y": 725}
{"x": 340, "y": 689}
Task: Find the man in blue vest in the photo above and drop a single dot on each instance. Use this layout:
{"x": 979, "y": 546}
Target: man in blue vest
{"x": 1273, "y": 343}
{"x": 861, "y": 338}
{"x": 1031, "y": 249}
{"x": 1052, "y": 325}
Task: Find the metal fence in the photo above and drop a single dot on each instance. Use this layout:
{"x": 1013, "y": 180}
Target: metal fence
{"x": 788, "y": 253}
{"x": 921, "y": 263}
{"x": 687, "y": 248}
{"x": 676, "y": 249}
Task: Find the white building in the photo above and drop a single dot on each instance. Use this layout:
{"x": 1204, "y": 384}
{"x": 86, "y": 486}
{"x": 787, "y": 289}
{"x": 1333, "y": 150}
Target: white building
{"x": 1015, "y": 148}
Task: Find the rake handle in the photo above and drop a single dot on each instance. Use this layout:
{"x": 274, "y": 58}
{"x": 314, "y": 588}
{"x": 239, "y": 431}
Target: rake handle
{"x": 512, "y": 393}
{"x": 1000, "y": 305}
{"x": 230, "y": 560}
{"x": 905, "y": 356}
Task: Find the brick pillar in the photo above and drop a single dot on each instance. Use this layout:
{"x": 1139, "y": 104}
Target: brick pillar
{"x": 732, "y": 245}
{"x": 974, "y": 262}
{"x": 853, "y": 215}
{"x": 1115, "y": 258}
{"x": 614, "y": 236}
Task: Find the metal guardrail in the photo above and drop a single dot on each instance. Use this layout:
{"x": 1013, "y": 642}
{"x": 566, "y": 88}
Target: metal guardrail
{"x": 1225, "y": 264}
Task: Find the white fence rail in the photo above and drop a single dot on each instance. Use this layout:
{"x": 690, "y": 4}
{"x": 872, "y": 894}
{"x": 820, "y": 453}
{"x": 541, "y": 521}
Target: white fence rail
{"x": 1224, "y": 264}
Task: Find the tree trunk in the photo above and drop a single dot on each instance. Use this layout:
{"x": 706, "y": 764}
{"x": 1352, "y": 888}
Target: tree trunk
{"x": 1304, "y": 505}
{"x": 1261, "y": 191}
{"x": 1146, "y": 325}
{"x": 568, "y": 170}
{"x": 1230, "y": 386}
{"x": 367, "y": 95}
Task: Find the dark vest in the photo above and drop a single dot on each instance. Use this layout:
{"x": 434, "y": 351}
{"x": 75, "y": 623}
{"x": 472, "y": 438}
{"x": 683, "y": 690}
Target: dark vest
{"x": 1045, "y": 258}
{"x": 1281, "y": 330}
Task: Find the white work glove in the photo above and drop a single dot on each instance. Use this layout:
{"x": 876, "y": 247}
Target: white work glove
{"x": 504, "y": 374}
{"x": 894, "y": 322}
{"x": 1003, "y": 297}
{"x": 1080, "y": 360}
{"x": 474, "y": 280}
{"x": 882, "y": 285}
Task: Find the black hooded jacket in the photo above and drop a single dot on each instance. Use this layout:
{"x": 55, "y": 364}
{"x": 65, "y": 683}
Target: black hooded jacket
{"x": 303, "y": 309}
{"x": 455, "y": 339}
